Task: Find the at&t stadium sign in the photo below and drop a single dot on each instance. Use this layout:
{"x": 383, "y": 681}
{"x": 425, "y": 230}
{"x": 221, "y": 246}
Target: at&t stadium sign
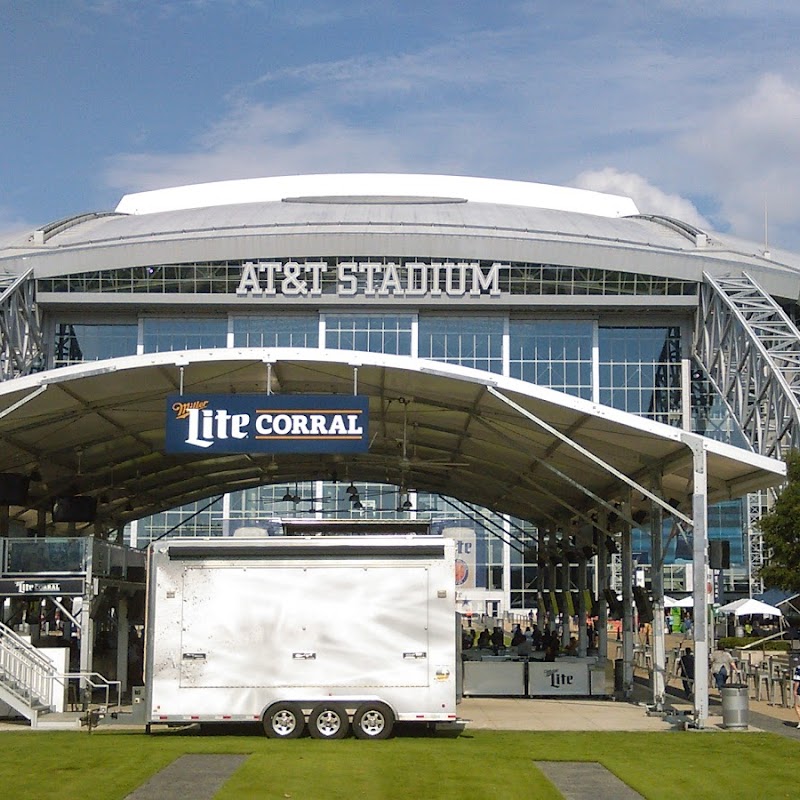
{"x": 254, "y": 423}
{"x": 367, "y": 278}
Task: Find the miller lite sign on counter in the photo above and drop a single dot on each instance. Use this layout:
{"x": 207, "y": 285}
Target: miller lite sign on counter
{"x": 253, "y": 423}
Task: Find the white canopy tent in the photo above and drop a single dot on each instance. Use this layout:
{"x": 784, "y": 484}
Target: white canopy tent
{"x": 747, "y": 606}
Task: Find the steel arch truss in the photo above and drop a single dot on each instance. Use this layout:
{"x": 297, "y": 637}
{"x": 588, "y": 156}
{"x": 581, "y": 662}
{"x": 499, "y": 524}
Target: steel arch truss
{"x": 21, "y": 341}
{"x": 751, "y": 352}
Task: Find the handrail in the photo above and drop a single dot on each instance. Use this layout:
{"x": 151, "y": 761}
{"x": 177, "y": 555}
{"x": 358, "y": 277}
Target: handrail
{"x": 100, "y": 682}
{"x": 25, "y": 673}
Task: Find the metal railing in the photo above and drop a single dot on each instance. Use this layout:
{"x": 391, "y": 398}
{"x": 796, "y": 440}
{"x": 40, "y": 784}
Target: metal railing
{"x": 24, "y": 672}
{"x": 89, "y": 682}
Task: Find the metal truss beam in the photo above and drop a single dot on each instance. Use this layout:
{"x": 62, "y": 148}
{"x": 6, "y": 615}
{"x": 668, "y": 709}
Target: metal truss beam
{"x": 751, "y": 352}
{"x": 21, "y": 341}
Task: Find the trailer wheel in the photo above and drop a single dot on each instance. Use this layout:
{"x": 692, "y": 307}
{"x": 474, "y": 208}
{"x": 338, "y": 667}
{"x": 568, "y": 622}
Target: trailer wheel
{"x": 284, "y": 721}
{"x": 328, "y": 721}
{"x": 373, "y": 721}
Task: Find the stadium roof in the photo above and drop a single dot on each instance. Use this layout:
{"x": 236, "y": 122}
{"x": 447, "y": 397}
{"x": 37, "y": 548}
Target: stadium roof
{"x": 378, "y": 187}
{"x": 423, "y": 216}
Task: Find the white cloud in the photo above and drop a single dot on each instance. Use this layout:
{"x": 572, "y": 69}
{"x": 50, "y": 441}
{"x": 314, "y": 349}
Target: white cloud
{"x": 642, "y": 117}
{"x": 256, "y": 141}
{"x": 747, "y": 153}
{"x": 649, "y": 199}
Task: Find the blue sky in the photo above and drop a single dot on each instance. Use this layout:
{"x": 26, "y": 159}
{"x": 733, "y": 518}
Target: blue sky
{"x": 691, "y": 108}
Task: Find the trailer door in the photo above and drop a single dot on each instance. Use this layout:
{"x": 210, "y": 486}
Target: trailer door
{"x": 314, "y": 626}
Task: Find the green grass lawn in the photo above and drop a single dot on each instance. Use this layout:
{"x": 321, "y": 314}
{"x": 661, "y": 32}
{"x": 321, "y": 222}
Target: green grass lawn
{"x": 476, "y": 765}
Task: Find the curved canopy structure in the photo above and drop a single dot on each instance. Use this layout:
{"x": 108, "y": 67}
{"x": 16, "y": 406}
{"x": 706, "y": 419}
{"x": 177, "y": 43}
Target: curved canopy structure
{"x": 500, "y": 443}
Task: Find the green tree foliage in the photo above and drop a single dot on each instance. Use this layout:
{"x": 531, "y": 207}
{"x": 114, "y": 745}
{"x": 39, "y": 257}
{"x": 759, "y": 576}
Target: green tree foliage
{"x": 781, "y": 532}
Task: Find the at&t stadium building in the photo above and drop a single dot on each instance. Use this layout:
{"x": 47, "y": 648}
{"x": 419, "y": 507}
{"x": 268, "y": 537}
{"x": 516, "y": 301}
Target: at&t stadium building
{"x": 440, "y": 298}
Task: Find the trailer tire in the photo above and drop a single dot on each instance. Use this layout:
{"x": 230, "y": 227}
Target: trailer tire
{"x": 328, "y": 721}
{"x": 373, "y": 721}
{"x": 284, "y": 721}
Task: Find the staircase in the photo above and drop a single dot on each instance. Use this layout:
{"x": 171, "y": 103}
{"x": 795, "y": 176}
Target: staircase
{"x": 26, "y": 677}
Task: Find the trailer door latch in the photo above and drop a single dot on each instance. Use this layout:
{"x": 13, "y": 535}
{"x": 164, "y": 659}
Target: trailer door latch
{"x": 304, "y": 656}
{"x": 417, "y": 654}
{"x": 194, "y": 656}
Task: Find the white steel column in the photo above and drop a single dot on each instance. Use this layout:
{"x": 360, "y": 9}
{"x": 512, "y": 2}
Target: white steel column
{"x": 701, "y": 587}
{"x": 658, "y": 682}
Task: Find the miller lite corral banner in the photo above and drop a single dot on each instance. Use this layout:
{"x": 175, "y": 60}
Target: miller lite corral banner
{"x": 258, "y": 423}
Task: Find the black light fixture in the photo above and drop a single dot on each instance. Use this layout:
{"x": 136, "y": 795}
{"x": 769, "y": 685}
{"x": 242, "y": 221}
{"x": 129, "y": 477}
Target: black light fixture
{"x": 357, "y": 505}
{"x": 405, "y": 505}
{"x": 354, "y": 498}
{"x": 351, "y": 490}
{"x": 288, "y": 497}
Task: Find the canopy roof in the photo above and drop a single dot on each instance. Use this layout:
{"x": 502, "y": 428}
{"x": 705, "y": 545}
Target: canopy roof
{"x": 500, "y": 443}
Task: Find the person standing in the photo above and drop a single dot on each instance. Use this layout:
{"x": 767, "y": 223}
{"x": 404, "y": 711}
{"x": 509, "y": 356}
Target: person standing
{"x": 796, "y": 691}
{"x": 722, "y": 666}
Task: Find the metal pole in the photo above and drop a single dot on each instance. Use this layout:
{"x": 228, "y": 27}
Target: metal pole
{"x": 566, "y": 619}
{"x": 582, "y": 640}
{"x": 602, "y": 585}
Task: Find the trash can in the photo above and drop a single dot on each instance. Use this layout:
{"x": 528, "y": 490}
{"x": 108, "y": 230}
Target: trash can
{"x": 735, "y": 705}
{"x": 619, "y": 684}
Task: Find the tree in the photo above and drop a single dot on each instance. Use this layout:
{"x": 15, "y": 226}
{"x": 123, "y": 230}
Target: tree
{"x": 781, "y": 532}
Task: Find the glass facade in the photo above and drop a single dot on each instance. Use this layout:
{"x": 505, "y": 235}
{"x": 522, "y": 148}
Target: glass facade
{"x": 634, "y": 368}
{"x": 223, "y": 277}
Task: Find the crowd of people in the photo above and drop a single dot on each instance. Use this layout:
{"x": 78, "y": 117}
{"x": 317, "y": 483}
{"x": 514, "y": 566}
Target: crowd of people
{"x": 531, "y": 642}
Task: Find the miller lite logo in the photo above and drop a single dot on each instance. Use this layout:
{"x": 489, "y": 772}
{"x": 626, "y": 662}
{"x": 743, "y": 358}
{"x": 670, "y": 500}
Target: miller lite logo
{"x": 271, "y": 423}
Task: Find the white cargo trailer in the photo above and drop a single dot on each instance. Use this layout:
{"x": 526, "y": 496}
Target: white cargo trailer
{"x": 322, "y": 633}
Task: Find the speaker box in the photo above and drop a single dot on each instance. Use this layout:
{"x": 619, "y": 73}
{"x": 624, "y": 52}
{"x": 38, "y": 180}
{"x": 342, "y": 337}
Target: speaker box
{"x": 643, "y": 604}
{"x": 719, "y": 554}
{"x": 13, "y": 489}
{"x": 615, "y": 608}
{"x": 78, "y": 508}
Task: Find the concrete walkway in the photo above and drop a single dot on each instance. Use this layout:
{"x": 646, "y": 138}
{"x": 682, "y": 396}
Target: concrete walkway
{"x": 195, "y": 776}
{"x": 579, "y": 780}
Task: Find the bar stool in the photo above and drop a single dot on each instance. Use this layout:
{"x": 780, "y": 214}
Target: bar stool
{"x": 787, "y": 701}
{"x": 761, "y": 678}
{"x": 778, "y": 680}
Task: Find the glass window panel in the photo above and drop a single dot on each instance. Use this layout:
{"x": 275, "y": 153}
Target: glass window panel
{"x": 640, "y": 371}
{"x": 475, "y": 342}
{"x": 162, "y": 334}
{"x": 75, "y": 343}
{"x": 372, "y": 333}
{"x": 553, "y": 354}
{"x": 277, "y": 331}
